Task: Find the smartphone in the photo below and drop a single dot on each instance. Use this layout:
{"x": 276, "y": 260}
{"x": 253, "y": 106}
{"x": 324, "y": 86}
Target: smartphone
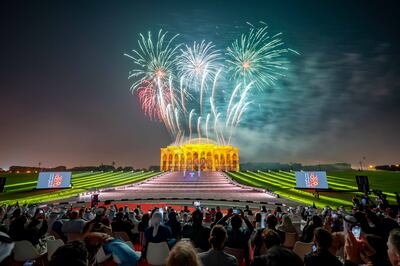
{"x": 29, "y": 263}
{"x": 314, "y": 248}
{"x": 263, "y": 220}
{"x": 356, "y": 230}
{"x": 236, "y": 211}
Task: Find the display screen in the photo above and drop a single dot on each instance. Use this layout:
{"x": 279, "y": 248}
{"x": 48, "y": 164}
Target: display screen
{"x": 54, "y": 180}
{"x": 311, "y": 180}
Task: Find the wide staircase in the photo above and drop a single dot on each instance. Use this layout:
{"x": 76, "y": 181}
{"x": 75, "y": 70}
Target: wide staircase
{"x": 189, "y": 185}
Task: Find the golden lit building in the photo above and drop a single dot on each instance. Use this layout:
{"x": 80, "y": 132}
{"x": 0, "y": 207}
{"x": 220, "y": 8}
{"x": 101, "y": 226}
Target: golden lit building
{"x": 199, "y": 154}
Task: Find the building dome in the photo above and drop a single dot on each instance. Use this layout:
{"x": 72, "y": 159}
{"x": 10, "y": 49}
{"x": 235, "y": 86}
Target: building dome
{"x": 199, "y": 141}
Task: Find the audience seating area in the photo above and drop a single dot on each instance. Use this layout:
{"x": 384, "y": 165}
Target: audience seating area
{"x": 119, "y": 235}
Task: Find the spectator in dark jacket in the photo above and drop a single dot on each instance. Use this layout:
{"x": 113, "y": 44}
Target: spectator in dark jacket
{"x": 197, "y": 233}
{"x": 238, "y": 236}
{"x": 174, "y": 224}
{"x": 122, "y": 225}
{"x": 308, "y": 231}
{"x": 216, "y": 255}
{"x": 322, "y": 256}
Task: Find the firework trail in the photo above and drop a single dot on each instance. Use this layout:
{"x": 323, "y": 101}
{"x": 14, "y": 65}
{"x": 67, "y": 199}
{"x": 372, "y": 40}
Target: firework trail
{"x": 190, "y": 124}
{"x": 207, "y": 120}
{"x": 198, "y": 127}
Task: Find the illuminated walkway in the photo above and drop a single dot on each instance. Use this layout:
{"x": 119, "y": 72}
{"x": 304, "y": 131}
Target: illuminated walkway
{"x": 179, "y": 185}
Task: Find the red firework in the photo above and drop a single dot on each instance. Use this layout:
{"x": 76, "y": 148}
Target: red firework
{"x": 149, "y": 98}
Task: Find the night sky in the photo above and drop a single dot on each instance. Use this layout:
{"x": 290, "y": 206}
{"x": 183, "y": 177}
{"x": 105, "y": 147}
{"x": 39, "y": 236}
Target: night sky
{"x": 64, "y": 91}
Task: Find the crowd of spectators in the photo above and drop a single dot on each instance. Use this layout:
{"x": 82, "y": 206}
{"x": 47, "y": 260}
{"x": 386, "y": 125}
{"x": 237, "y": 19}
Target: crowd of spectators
{"x": 362, "y": 235}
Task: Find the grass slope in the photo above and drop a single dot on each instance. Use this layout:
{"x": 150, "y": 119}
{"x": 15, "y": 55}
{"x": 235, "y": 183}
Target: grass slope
{"x": 21, "y": 187}
{"x": 283, "y": 183}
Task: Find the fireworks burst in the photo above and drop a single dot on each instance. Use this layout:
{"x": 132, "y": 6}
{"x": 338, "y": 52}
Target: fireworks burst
{"x": 154, "y": 60}
{"x": 172, "y": 83}
{"x": 197, "y": 62}
{"x": 257, "y": 57}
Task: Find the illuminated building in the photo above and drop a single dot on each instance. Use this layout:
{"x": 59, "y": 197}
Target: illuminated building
{"x": 199, "y": 154}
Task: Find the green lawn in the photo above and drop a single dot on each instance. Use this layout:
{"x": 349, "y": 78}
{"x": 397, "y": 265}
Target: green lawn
{"x": 283, "y": 183}
{"x": 21, "y": 187}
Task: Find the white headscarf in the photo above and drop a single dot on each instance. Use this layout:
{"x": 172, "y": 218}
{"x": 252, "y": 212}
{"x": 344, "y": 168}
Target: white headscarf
{"x": 5, "y": 247}
{"x": 155, "y": 222}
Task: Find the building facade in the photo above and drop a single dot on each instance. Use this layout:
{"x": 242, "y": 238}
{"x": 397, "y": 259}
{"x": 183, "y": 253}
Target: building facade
{"x": 199, "y": 154}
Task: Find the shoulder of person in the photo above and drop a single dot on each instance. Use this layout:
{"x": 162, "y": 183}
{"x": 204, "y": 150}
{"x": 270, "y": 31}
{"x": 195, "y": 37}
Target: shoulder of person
{"x": 204, "y": 254}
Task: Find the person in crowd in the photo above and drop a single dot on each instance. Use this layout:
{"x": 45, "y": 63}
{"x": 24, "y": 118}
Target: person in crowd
{"x": 218, "y": 216}
{"x": 218, "y": 210}
{"x": 248, "y": 211}
{"x": 17, "y": 228}
{"x": 238, "y": 236}
{"x": 287, "y": 226}
{"x": 271, "y": 223}
{"x": 72, "y": 253}
{"x": 174, "y": 224}
{"x": 397, "y": 198}
{"x": 257, "y": 221}
{"x": 358, "y": 251}
{"x": 144, "y": 223}
{"x": 267, "y": 239}
{"x": 185, "y": 219}
{"x": 185, "y": 209}
{"x": 308, "y": 231}
{"x": 379, "y": 255}
{"x": 183, "y": 254}
{"x": 74, "y": 224}
{"x": 322, "y": 256}
{"x": 100, "y": 223}
{"x": 156, "y": 233}
{"x": 394, "y": 247}
{"x": 216, "y": 255}
{"x": 36, "y": 228}
{"x": 142, "y": 226}
{"x": 278, "y": 213}
{"x": 121, "y": 224}
{"x": 55, "y": 223}
{"x": 6, "y": 248}
{"x": 278, "y": 256}
{"x": 122, "y": 254}
{"x": 88, "y": 215}
{"x": 338, "y": 240}
{"x": 197, "y": 232}
{"x": 355, "y": 201}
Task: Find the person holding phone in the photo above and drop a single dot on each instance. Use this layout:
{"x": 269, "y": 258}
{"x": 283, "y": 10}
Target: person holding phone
{"x": 238, "y": 236}
{"x": 100, "y": 223}
{"x": 321, "y": 254}
{"x": 37, "y": 227}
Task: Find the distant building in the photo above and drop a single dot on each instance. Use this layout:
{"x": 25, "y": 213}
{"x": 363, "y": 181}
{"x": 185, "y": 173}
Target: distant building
{"x": 199, "y": 154}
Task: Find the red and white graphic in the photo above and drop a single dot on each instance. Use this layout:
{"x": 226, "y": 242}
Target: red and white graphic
{"x": 312, "y": 180}
{"x": 57, "y": 180}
